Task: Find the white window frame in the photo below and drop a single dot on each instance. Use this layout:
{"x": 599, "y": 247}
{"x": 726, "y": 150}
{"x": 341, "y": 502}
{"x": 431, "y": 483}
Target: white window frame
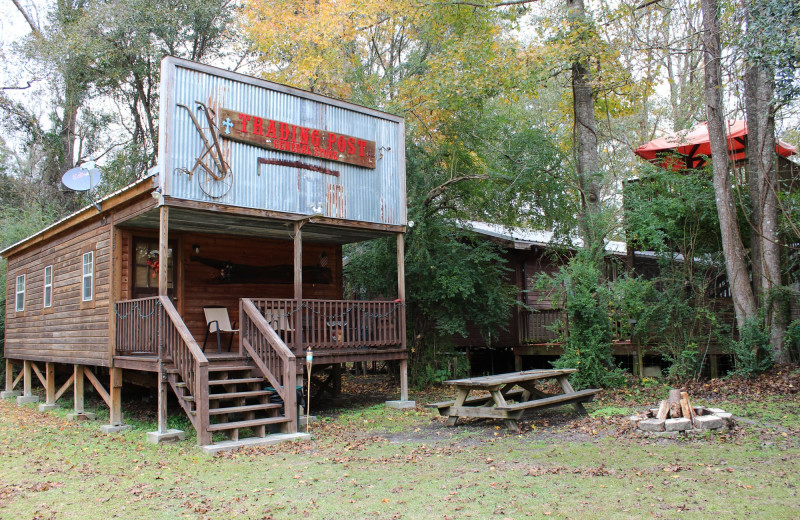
{"x": 87, "y": 266}
{"x": 19, "y": 294}
{"x": 47, "y": 296}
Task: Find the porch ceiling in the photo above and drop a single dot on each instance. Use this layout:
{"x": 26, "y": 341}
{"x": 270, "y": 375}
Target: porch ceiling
{"x": 202, "y": 221}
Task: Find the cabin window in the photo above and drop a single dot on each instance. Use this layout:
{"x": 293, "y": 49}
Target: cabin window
{"x": 147, "y": 265}
{"x": 48, "y": 286}
{"x": 20, "y": 299}
{"x": 88, "y": 276}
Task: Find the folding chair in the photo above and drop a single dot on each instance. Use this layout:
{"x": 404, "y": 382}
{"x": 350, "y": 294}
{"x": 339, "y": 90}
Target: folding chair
{"x": 217, "y": 320}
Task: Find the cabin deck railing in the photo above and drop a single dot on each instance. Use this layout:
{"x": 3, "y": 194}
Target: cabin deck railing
{"x": 152, "y": 326}
{"x": 259, "y": 341}
{"x": 540, "y": 325}
{"x": 335, "y": 324}
{"x": 137, "y": 323}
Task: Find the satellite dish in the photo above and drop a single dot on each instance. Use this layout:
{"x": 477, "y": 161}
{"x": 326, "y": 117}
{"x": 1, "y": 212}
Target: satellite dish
{"x": 81, "y": 178}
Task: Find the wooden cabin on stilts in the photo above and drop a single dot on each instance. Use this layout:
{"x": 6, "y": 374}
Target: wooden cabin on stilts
{"x": 214, "y": 274}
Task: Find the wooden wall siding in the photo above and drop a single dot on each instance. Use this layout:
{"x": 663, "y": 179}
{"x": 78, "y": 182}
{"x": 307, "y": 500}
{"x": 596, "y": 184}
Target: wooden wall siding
{"x": 201, "y": 285}
{"x": 73, "y": 332}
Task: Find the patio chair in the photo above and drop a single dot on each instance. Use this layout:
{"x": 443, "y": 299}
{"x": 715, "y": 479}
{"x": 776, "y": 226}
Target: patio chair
{"x": 217, "y": 320}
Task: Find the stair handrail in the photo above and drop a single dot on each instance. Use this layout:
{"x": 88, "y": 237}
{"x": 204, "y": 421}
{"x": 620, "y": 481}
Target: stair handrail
{"x": 266, "y": 348}
{"x": 191, "y": 363}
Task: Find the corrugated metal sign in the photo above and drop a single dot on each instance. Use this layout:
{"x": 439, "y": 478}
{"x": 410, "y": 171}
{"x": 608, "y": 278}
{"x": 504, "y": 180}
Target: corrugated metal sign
{"x": 241, "y": 141}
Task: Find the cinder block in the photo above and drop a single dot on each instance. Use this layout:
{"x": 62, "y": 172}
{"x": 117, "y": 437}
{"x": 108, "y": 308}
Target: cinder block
{"x": 111, "y": 429}
{"x": 402, "y": 405}
{"x": 44, "y": 407}
{"x": 708, "y": 422}
{"x": 167, "y": 436}
{"x": 26, "y": 399}
{"x": 85, "y": 416}
{"x": 652, "y": 425}
{"x": 11, "y": 393}
{"x": 678, "y": 425}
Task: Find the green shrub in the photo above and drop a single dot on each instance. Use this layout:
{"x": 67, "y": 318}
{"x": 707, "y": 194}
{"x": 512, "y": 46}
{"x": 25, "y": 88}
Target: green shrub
{"x": 751, "y": 353}
{"x": 587, "y": 345}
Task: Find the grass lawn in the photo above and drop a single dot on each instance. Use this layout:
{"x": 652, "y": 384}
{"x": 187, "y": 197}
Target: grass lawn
{"x": 367, "y": 461}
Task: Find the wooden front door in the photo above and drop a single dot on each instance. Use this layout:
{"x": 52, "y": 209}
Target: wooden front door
{"x": 146, "y": 265}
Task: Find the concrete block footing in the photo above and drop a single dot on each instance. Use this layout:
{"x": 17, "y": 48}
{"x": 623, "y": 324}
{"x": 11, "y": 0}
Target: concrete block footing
{"x": 167, "y": 436}
{"x": 45, "y": 407}
{"x": 26, "y": 399}
{"x": 211, "y": 449}
{"x": 10, "y": 393}
{"x": 301, "y": 421}
{"x": 82, "y": 416}
{"x": 110, "y": 428}
{"x": 401, "y": 405}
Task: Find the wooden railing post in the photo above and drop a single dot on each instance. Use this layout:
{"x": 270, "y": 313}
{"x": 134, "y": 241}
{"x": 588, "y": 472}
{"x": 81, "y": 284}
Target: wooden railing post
{"x": 201, "y": 403}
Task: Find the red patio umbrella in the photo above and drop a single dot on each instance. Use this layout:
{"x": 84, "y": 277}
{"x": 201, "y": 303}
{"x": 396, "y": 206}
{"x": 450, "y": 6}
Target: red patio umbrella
{"x": 689, "y": 149}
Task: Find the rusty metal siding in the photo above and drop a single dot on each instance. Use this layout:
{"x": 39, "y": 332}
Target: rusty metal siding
{"x": 357, "y": 194}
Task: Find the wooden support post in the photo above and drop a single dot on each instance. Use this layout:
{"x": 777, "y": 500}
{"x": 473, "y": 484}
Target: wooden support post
{"x": 9, "y": 376}
{"x": 49, "y": 384}
{"x": 401, "y": 295}
{"x": 50, "y": 387}
{"x": 78, "y": 391}
{"x": 11, "y": 382}
{"x": 163, "y": 250}
{"x": 27, "y": 395}
{"x": 298, "y": 286}
{"x": 26, "y": 380}
{"x": 115, "y": 397}
{"x": 162, "y": 400}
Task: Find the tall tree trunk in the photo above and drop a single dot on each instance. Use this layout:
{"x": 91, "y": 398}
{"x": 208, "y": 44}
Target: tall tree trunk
{"x": 765, "y": 246}
{"x": 585, "y": 137}
{"x": 732, "y": 248}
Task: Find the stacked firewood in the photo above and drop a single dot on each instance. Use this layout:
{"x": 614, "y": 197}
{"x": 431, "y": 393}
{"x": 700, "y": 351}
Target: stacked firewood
{"x": 675, "y": 406}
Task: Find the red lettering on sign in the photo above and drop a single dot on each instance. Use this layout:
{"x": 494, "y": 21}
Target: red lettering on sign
{"x": 331, "y": 140}
{"x": 245, "y": 118}
{"x": 257, "y": 125}
{"x": 342, "y": 144}
{"x": 351, "y": 145}
{"x": 271, "y": 130}
{"x": 361, "y": 145}
{"x": 284, "y": 132}
{"x": 294, "y": 133}
{"x": 304, "y": 135}
{"x": 315, "y": 138}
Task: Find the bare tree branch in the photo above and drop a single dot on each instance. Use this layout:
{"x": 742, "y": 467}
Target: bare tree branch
{"x": 438, "y": 190}
{"x": 31, "y": 23}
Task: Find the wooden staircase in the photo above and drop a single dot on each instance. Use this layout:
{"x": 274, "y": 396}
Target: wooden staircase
{"x": 237, "y": 398}
{"x": 224, "y": 394}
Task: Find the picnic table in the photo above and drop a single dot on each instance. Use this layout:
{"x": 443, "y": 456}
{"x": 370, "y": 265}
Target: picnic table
{"x": 510, "y": 395}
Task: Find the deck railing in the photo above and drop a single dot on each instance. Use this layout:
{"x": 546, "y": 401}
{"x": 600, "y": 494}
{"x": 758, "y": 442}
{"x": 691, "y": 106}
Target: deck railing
{"x": 335, "y": 324}
{"x": 540, "y": 325}
{"x": 137, "y": 324}
{"x": 259, "y": 341}
{"x": 153, "y": 326}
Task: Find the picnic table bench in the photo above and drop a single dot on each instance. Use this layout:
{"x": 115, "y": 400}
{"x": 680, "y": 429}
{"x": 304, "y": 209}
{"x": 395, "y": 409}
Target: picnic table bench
{"x": 510, "y": 395}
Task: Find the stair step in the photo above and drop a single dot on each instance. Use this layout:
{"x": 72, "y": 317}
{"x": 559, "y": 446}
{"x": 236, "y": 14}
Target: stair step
{"x": 232, "y": 368}
{"x": 243, "y": 380}
{"x": 232, "y": 395}
{"x": 246, "y": 424}
{"x": 245, "y": 408}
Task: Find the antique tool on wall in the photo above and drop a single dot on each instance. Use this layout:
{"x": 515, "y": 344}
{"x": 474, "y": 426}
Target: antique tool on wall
{"x": 214, "y": 180}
